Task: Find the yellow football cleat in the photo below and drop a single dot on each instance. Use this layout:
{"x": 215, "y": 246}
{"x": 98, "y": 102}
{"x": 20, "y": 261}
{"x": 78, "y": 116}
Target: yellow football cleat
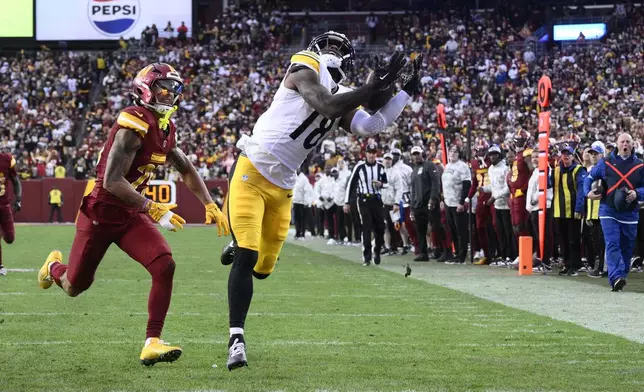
{"x": 481, "y": 261}
{"x": 159, "y": 351}
{"x": 44, "y": 279}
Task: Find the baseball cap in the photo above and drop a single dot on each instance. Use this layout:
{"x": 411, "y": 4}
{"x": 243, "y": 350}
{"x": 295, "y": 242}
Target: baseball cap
{"x": 396, "y": 151}
{"x": 388, "y": 156}
{"x": 494, "y": 149}
{"x": 372, "y": 148}
{"x": 416, "y": 150}
{"x": 598, "y": 147}
{"x": 568, "y": 149}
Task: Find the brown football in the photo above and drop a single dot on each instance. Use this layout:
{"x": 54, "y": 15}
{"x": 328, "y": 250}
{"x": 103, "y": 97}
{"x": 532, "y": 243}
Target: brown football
{"x": 381, "y": 98}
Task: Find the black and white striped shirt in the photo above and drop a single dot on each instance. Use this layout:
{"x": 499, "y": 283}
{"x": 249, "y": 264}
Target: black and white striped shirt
{"x": 362, "y": 178}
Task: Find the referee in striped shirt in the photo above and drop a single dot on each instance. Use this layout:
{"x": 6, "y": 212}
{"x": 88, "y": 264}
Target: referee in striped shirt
{"x": 367, "y": 179}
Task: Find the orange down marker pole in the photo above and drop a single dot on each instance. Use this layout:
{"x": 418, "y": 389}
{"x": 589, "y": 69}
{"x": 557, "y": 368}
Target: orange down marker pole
{"x": 544, "y": 91}
{"x": 525, "y": 255}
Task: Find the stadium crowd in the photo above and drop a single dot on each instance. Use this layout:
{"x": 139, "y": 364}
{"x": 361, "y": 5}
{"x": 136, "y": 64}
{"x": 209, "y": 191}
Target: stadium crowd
{"x": 475, "y": 64}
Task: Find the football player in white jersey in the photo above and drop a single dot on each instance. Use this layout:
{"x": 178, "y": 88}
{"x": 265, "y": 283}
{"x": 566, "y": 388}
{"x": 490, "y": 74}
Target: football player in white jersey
{"x": 309, "y": 104}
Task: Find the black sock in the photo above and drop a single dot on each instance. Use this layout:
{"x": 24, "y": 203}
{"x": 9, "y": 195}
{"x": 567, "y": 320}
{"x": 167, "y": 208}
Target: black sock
{"x": 240, "y": 286}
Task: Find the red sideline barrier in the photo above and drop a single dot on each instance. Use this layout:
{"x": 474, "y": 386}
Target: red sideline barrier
{"x": 35, "y": 197}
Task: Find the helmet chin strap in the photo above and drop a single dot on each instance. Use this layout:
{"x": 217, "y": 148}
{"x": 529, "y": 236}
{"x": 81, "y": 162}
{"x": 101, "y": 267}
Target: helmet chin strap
{"x": 334, "y": 62}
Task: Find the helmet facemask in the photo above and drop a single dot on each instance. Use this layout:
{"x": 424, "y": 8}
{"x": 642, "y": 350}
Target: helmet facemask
{"x": 336, "y": 51}
{"x": 166, "y": 94}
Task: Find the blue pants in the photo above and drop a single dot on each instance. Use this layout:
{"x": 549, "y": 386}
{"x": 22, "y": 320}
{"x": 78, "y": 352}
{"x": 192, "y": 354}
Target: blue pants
{"x": 620, "y": 240}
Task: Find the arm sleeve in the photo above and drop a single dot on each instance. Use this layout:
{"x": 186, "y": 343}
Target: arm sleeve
{"x": 398, "y": 186}
{"x": 383, "y": 177}
{"x": 432, "y": 172}
{"x": 465, "y": 190}
{"x": 353, "y": 181}
{"x": 474, "y": 183}
{"x": 504, "y": 189}
{"x": 640, "y": 189}
{"x": 581, "y": 196}
{"x": 362, "y": 124}
{"x": 317, "y": 189}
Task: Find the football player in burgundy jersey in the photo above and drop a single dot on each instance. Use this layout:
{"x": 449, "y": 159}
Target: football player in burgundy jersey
{"x": 483, "y": 212}
{"x": 8, "y": 173}
{"x": 518, "y": 178}
{"x": 116, "y": 212}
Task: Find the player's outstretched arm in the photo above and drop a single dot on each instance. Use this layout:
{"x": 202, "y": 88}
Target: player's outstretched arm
{"x": 191, "y": 178}
{"x": 361, "y": 123}
{"x": 196, "y": 185}
{"x": 307, "y": 83}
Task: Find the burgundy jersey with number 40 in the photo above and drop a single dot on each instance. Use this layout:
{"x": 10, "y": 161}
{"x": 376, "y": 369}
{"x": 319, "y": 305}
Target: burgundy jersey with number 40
{"x": 103, "y": 206}
{"x": 7, "y": 170}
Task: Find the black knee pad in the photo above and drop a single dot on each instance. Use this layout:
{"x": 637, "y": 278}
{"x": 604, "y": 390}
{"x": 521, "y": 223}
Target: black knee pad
{"x": 259, "y": 276}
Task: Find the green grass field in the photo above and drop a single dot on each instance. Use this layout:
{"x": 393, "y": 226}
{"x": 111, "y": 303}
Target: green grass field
{"x": 318, "y": 323}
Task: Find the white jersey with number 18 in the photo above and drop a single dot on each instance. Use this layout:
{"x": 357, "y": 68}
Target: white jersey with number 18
{"x": 285, "y": 134}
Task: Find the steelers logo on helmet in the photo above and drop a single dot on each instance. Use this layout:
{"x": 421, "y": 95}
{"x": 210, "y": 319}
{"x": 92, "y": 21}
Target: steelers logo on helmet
{"x": 336, "y": 51}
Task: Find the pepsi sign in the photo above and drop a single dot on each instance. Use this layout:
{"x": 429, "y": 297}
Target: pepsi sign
{"x": 62, "y": 20}
{"x": 113, "y": 17}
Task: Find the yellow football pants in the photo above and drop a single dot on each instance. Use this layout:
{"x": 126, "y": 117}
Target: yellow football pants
{"x": 259, "y": 213}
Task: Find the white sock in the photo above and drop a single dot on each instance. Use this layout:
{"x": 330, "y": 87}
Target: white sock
{"x": 236, "y": 331}
{"x": 147, "y": 341}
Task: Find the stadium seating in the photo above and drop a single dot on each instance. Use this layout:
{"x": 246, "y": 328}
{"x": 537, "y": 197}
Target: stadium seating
{"x": 478, "y": 65}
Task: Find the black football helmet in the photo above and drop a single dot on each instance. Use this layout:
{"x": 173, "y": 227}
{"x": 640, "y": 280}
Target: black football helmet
{"x": 337, "y": 52}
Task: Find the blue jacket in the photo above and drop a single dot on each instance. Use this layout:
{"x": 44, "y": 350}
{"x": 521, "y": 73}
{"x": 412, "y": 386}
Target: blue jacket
{"x": 599, "y": 172}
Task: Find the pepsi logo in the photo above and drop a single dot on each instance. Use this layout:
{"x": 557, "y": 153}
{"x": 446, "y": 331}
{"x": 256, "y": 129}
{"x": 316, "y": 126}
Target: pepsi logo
{"x": 113, "y": 17}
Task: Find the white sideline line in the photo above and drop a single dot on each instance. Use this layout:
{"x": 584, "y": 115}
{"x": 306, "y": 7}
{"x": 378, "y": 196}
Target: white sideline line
{"x": 263, "y": 295}
{"x": 21, "y": 270}
{"x": 199, "y": 314}
{"x": 208, "y": 341}
{"x": 308, "y": 343}
{"x": 537, "y": 344}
